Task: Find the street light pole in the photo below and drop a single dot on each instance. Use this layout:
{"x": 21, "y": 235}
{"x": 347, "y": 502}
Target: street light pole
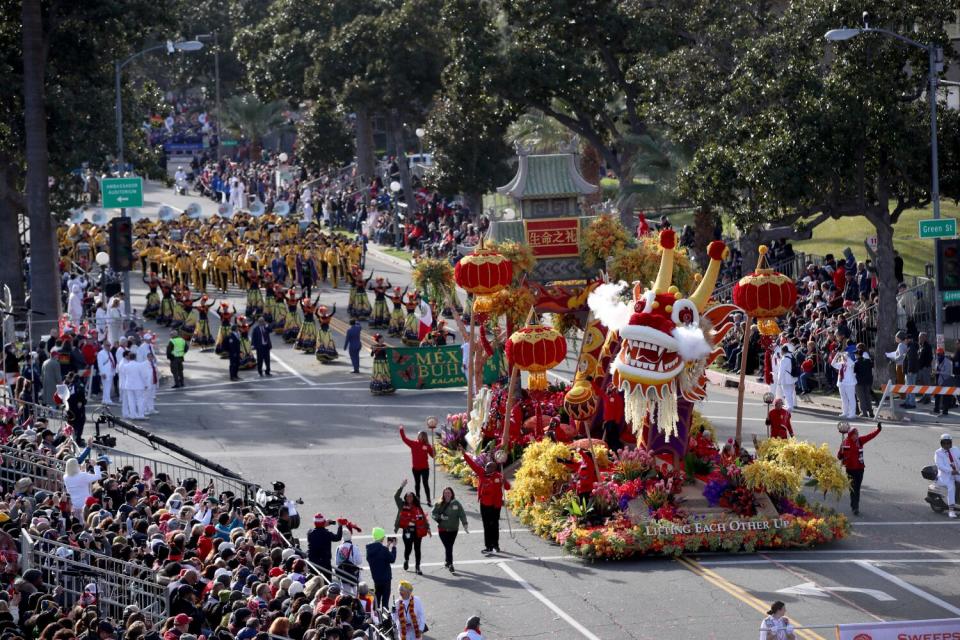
{"x": 186, "y": 45}
{"x": 216, "y": 71}
{"x": 933, "y": 55}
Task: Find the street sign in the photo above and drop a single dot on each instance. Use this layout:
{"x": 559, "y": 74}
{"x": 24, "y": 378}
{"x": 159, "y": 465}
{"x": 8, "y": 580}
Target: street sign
{"x": 938, "y": 228}
{"x": 120, "y": 193}
{"x": 229, "y": 143}
{"x": 951, "y": 296}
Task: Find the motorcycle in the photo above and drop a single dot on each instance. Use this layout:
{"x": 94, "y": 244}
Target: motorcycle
{"x": 936, "y": 493}
{"x": 182, "y": 187}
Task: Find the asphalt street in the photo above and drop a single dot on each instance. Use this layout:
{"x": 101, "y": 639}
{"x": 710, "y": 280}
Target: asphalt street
{"x": 317, "y": 428}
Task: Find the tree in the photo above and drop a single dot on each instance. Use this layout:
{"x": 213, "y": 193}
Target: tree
{"x": 801, "y": 137}
{"x": 44, "y": 298}
{"x": 466, "y": 127}
{"x": 253, "y": 119}
{"x": 323, "y": 138}
{"x": 597, "y": 83}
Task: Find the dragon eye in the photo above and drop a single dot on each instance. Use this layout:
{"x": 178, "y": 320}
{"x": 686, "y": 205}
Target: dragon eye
{"x": 685, "y": 312}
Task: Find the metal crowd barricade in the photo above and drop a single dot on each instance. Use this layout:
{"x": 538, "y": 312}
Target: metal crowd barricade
{"x": 119, "y": 584}
{"x": 45, "y": 471}
{"x": 177, "y": 472}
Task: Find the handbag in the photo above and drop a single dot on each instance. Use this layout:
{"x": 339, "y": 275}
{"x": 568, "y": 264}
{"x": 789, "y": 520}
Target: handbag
{"x": 439, "y": 516}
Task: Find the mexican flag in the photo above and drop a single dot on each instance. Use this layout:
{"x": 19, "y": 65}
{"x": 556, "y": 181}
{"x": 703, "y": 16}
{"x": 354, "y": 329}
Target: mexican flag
{"x": 426, "y": 318}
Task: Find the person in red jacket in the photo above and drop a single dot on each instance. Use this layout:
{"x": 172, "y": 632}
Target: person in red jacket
{"x": 413, "y": 522}
{"x": 490, "y": 494}
{"x": 779, "y": 421}
{"x": 585, "y": 474}
{"x": 420, "y": 451}
{"x": 851, "y": 457}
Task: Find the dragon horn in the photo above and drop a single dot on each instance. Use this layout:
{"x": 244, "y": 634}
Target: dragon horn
{"x": 667, "y": 242}
{"x": 716, "y": 250}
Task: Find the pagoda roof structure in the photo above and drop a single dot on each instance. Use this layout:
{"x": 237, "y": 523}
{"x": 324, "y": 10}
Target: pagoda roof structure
{"x": 547, "y": 176}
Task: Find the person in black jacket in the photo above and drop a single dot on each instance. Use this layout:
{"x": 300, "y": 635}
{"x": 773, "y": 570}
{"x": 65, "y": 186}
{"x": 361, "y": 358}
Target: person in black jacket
{"x": 925, "y": 363}
{"x": 320, "y": 541}
{"x": 863, "y": 369}
{"x": 232, "y": 346}
{"x": 379, "y": 559}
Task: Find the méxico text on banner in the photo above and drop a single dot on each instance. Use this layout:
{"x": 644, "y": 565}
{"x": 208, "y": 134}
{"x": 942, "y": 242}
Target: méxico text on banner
{"x": 435, "y": 367}
{"x": 945, "y": 629}
{"x": 553, "y": 237}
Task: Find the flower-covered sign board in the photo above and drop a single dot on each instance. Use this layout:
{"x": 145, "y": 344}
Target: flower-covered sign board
{"x": 553, "y": 237}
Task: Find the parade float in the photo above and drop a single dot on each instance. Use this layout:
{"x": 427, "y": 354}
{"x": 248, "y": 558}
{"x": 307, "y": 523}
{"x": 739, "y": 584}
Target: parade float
{"x": 641, "y": 367}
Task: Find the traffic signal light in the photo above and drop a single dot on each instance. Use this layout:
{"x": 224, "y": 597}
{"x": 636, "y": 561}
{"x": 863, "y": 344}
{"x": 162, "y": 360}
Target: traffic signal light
{"x": 948, "y": 273}
{"x": 121, "y": 244}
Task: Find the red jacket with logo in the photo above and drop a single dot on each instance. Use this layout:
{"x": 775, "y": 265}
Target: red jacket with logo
{"x": 492, "y": 485}
{"x": 780, "y": 426}
{"x": 420, "y": 451}
{"x": 851, "y": 449}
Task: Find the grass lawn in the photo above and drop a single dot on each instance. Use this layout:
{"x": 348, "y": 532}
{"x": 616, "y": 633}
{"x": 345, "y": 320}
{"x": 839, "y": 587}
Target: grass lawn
{"x": 834, "y": 235}
{"x": 396, "y": 253}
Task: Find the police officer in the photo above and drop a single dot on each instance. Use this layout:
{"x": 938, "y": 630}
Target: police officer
{"x": 176, "y": 350}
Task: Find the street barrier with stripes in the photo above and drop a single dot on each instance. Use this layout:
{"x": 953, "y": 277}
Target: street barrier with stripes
{"x": 890, "y": 390}
{"x": 118, "y": 584}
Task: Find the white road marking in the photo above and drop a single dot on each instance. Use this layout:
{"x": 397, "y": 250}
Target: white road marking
{"x": 315, "y": 388}
{"x": 813, "y": 589}
{"x": 550, "y": 605}
{"x": 906, "y": 586}
{"x": 283, "y": 364}
{"x": 733, "y": 563}
{"x": 845, "y": 552}
{"x": 474, "y": 532}
{"x": 211, "y": 385}
{"x": 227, "y": 404}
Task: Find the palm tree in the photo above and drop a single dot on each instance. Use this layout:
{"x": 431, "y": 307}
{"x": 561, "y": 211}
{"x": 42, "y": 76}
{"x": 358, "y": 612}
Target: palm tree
{"x": 253, "y": 119}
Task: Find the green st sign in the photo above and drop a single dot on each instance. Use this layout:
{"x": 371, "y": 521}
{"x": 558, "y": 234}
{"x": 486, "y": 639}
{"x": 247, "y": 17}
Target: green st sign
{"x": 938, "y": 228}
{"x": 121, "y": 193}
{"x": 951, "y": 296}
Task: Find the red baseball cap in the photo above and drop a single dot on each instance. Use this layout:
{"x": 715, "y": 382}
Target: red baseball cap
{"x": 182, "y": 619}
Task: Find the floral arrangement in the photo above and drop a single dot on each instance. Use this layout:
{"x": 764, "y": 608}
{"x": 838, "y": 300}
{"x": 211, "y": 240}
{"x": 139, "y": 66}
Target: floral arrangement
{"x": 783, "y": 456}
{"x": 541, "y": 473}
{"x": 640, "y": 264}
{"x": 514, "y": 303}
{"x": 452, "y": 461}
{"x": 618, "y": 538}
{"x": 604, "y": 237}
{"x": 435, "y": 277}
{"x": 521, "y": 255}
{"x": 454, "y": 434}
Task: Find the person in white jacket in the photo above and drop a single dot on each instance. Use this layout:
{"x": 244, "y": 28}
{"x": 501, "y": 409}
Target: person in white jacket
{"x": 114, "y": 320}
{"x": 144, "y": 378}
{"x": 847, "y": 383}
{"x": 471, "y": 630}
{"x": 947, "y": 459}
{"x": 786, "y": 383}
{"x": 409, "y": 618}
{"x": 77, "y": 483}
{"x": 107, "y": 364}
{"x": 75, "y": 304}
{"x": 129, "y": 376}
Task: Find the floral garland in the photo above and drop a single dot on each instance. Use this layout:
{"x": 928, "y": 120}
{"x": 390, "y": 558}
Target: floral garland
{"x": 641, "y": 263}
{"x": 514, "y": 303}
{"x": 435, "y": 277}
{"x": 521, "y": 255}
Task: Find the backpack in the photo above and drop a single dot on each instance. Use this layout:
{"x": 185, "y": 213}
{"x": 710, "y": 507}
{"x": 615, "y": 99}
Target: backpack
{"x": 795, "y": 369}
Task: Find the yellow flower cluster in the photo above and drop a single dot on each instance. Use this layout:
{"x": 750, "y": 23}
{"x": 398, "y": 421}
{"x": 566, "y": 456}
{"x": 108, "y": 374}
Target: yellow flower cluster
{"x": 641, "y": 264}
{"x": 604, "y": 237}
{"x": 514, "y": 303}
{"x": 772, "y": 477}
{"x": 521, "y": 255}
{"x": 540, "y": 475}
{"x": 434, "y": 277}
{"x": 806, "y": 460}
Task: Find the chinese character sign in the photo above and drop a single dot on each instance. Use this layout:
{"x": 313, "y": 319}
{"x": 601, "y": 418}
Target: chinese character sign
{"x": 553, "y": 237}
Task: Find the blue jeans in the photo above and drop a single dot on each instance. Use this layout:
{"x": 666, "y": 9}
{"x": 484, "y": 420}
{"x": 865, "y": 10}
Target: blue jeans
{"x": 910, "y": 400}
{"x": 803, "y": 383}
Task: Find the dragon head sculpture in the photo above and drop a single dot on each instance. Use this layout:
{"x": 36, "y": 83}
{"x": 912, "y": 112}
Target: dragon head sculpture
{"x": 665, "y": 339}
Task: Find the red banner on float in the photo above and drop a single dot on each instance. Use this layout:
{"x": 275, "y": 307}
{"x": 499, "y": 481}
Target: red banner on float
{"x": 553, "y": 237}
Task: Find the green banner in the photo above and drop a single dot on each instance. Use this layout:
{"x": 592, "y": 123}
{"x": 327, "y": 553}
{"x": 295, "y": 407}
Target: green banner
{"x": 436, "y": 367}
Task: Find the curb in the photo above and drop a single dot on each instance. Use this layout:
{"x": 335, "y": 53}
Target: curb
{"x": 386, "y": 257}
{"x": 752, "y": 387}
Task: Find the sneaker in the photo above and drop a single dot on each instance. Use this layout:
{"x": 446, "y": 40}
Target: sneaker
{"x": 419, "y": 573}
{"x": 452, "y": 570}
{"x": 486, "y": 552}
{"x": 406, "y": 565}
{"x": 952, "y": 514}
{"x": 496, "y": 549}
{"x": 856, "y": 512}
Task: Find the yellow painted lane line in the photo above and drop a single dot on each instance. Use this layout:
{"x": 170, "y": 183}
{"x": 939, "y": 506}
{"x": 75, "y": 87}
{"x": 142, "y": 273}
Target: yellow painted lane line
{"x": 741, "y": 594}
{"x": 339, "y": 325}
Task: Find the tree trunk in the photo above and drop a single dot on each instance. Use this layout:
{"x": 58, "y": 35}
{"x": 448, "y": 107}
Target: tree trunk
{"x": 44, "y": 271}
{"x": 704, "y": 222}
{"x": 750, "y": 247}
{"x": 887, "y": 304}
{"x": 396, "y": 131}
{"x": 11, "y": 257}
{"x": 366, "y": 164}
{"x": 625, "y": 203}
{"x": 590, "y": 164}
{"x": 474, "y": 200}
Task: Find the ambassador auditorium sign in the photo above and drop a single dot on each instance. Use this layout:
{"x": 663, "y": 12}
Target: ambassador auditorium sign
{"x": 719, "y": 527}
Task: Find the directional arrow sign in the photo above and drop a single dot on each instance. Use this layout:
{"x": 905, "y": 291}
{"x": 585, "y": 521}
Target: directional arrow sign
{"x": 813, "y": 589}
{"x": 119, "y": 193}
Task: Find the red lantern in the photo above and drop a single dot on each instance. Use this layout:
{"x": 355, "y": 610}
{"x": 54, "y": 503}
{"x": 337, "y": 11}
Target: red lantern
{"x": 482, "y": 274}
{"x": 765, "y": 293}
{"x": 536, "y": 349}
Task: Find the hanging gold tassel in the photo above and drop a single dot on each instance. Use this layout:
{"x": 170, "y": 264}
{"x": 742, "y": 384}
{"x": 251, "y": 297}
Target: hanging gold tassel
{"x": 537, "y": 381}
